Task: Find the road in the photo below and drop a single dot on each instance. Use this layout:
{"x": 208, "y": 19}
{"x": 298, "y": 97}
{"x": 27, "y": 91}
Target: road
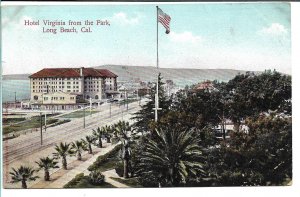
{"x": 27, "y": 149}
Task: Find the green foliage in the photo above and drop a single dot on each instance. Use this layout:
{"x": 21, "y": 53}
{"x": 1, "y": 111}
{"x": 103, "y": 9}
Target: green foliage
{"x": 47, "y": 163}
{"x": 81, "y": 181}
{"x": 170, "y": 157}
{"x": 23, "y": 174}
{"x": 102, "y": 158}
{"x": 62, "y": 151}
{"x": 74, "y": 181}
{"x": 262, "y": 157}
{"x": 96, "y": 177}
{"x": 88, "y": 141}
{"x": 78, "y": 147}
{"x": 119, "y": 168}
{"x": 146, "y": 114}
{"x": 98, "y": 135}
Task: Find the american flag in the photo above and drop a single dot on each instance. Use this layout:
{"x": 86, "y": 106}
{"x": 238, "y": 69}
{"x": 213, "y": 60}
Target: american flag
{"x": 164, "y": 19}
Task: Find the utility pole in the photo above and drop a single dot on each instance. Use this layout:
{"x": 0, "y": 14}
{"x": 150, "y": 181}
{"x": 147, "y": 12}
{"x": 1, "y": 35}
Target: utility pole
{"x": 110, "y": 110}
{"x": 127, "y": 99}
{"x": 90, "y": 106}
{"x": 41, "y": 117}
{"x": 45, "y": 121}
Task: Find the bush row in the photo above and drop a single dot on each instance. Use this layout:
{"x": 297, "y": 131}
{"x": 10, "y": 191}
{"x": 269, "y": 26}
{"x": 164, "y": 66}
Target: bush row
{"x": 102, "y": 158}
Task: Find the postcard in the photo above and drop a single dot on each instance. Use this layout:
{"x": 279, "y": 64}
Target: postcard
{"x": 146, "y": 95}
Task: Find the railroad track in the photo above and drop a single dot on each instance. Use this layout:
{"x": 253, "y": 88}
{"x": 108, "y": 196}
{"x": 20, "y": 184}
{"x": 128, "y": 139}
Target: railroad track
{"x": 74, "y": 128}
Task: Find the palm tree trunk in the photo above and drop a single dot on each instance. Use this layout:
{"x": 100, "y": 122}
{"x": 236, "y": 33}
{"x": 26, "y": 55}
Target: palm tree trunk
{"x": 100, "y": 142}
{"x": 47, "y": 175}
{"x": 90, "y": 149}
{"x": 64, "y": 163}
{"x": 125, "y": 174}
{"x": 24, "y": 185}
{"x": 79, "y": 156}
{"x": 108, "y": 139}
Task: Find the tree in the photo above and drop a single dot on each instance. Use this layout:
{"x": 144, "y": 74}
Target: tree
{"x": 62, "y": 151}
{"x": 170, "y": 158}
{"x": 122, "y": 128}
{"x": 47, "y": 163}
{"x": 78, "y": 147}
{"x": 98, "y": 135}
{"x": 107, "y": 130}
{"x": 250, "y": 95}
{"x": 23, "y": 174}
{"x": 89, "y": 140}
{"x": 261, "y": 157}
{"x": 146, "y": 114}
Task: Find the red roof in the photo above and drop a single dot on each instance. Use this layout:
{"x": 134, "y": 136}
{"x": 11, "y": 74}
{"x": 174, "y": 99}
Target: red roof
{"x": 72, "y": 72}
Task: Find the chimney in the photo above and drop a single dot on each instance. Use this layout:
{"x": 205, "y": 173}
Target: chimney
{"x": 81, "y": 71}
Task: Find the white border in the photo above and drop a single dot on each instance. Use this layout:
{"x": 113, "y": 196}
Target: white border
{"x": 293, "y": 190}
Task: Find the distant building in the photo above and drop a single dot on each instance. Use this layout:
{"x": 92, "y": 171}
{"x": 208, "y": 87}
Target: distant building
{"x": 64, "y": 88}
{"x": 206, "y": 86}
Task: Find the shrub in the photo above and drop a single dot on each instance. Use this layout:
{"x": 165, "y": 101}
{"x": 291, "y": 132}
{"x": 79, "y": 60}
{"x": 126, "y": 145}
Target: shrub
{"x": 96, "y": 177}
{"x": 119, "y": 169}
{"x": 102, "y": 158}
{"x": 51, "y": 121}
{"x": 74, "y": 181}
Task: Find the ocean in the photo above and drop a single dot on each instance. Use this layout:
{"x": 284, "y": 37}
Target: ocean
{"x": 21, "y": 87}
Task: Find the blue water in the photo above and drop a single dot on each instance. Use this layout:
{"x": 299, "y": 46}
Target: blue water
{"x": 21, "y": 87}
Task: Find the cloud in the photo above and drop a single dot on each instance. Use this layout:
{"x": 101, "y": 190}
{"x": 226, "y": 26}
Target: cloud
{"x": 275, "y": 29}
{"x": 123, "y": 19}
{"x": 185, "y": 37}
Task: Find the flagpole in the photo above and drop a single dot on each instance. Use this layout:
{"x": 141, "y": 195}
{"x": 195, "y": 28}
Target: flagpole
{"x": 156, "y": 95}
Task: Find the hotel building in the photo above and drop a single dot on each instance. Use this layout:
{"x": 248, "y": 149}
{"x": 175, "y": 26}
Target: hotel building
{"x": 66, "y": 88}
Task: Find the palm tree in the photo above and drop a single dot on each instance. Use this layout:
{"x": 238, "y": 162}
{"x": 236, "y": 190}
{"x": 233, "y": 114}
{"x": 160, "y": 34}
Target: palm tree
{"x": 122, "y": 128}
{"x": 47, "y": 163}
{"x": 107, "y": 132}
{"x": 78, "y": 147}
{"x": 98, "y": 134}
{"x": 171, "y": 156}
{"x": 62, "y": 151}
{"x": 89, "y": 140}
{"x": 23, "y": 174}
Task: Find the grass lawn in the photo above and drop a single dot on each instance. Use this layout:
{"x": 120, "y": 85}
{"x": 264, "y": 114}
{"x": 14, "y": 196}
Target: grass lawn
{"x": 79, "y": 114}
{"x": 81, "y": 181}
{"x": 34, "y": 122}
{"x": 131, "y": 182}
{"x": 6, "y": 121}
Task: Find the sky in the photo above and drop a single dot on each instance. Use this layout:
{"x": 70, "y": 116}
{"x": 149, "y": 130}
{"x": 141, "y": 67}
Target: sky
{"x": 242, "y": 36}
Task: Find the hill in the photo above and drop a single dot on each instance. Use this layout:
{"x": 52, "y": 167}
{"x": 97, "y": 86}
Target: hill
{"x": 181, "y": 76}
{"x": 15, "y": 77}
